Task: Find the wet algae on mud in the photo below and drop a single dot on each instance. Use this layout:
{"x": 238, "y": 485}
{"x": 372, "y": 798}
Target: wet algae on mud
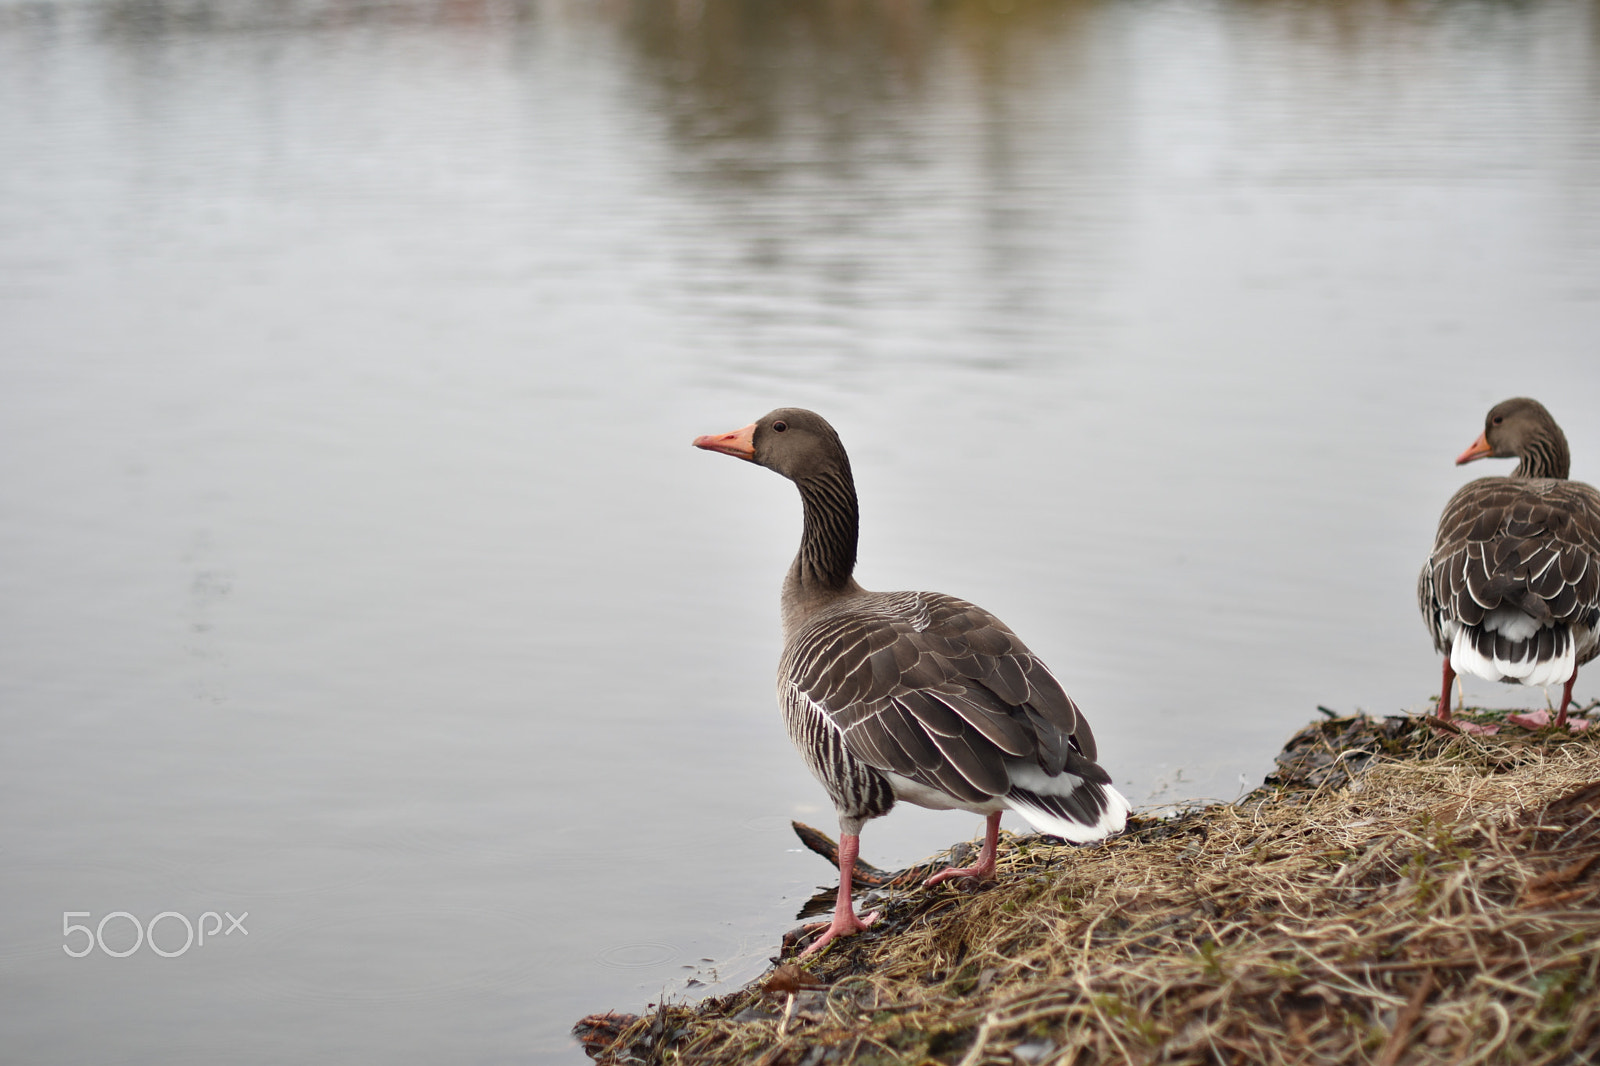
{"x": 1392, "y": 894}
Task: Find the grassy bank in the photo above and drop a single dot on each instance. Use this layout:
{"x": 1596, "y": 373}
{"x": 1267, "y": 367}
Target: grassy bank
{"x": 1391, "y": 895}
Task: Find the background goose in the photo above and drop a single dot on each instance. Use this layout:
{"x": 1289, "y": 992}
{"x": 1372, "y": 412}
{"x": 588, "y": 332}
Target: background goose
{"x": 911, "y": 695}
{"x": 1512, "y": 590}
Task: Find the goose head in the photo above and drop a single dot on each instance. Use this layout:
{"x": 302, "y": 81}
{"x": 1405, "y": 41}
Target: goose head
{"x": 1512, "y": 429}
{"x": 794, "y": 442}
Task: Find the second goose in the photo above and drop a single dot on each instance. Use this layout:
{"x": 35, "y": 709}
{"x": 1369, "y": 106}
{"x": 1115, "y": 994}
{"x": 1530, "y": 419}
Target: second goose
{"x": 1511, "y": 591}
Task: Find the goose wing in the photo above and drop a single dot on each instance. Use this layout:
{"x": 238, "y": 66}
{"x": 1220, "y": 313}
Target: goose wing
{"x": 1529, "y": 544}
{"x": 940, "y": 691}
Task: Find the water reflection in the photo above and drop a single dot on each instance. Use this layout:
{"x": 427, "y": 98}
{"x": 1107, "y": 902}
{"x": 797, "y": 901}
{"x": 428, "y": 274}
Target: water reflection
{"x": 813, "y": 137}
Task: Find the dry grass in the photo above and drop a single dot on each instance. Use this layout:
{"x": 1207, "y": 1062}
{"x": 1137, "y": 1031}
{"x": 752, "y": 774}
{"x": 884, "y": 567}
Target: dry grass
{"x": 1392, "y": 895}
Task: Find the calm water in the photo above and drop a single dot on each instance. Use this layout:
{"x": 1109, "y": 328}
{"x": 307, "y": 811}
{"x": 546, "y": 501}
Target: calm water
{"x": 356, "y": 571}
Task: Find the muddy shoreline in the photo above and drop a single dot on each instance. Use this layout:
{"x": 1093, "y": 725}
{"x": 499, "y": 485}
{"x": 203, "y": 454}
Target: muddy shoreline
{"x": 1392, "y": 894}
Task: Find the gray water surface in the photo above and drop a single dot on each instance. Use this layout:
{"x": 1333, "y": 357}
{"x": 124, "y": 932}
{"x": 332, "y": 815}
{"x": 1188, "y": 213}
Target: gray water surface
{"x": 355, "y": 569}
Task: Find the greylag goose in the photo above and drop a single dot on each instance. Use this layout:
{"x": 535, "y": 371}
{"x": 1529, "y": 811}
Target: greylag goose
{"x": 1512, "y": 590}
{"x": 911, "y": 696}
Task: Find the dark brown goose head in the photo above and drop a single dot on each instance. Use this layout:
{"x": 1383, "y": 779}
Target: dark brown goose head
{"x": 797, "y": 443}
{"x": 804, "y": 448}
{"x": 1522, "y": 429}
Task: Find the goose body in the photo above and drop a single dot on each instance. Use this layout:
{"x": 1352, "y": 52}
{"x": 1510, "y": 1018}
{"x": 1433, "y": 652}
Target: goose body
{"x": 926, "y": 698}
{"x": 913, "y": 696}
{"x": 1511, "y": 590}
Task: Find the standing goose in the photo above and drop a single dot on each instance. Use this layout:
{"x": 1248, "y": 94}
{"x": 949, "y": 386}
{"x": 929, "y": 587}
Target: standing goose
{"x": 911, "y": 695}
{"x": 1512, "y": 590}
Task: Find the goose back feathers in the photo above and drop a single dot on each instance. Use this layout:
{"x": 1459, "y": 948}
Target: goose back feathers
{"x": 1511, "y": 590}
{"x": 940, "y": 702}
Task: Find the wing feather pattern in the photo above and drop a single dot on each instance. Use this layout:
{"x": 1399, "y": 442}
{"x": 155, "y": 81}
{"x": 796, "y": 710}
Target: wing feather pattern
{"x": 1511, "y": 554}
{"x": 941, "y": 693}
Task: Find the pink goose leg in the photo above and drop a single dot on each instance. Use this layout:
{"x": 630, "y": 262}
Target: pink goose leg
{"x": 1566, "y": 698}
{"x": 1442, "y": 712}
{"x": 984, "y": 868}
{"x": 845, "y": 922}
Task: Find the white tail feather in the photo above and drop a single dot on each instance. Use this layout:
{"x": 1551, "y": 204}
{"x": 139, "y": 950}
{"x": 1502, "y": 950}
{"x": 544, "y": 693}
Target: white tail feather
{"x": 1510, "y": 623}
{"x": 1466, "y": 659}
{"x": 1112, "y": 819}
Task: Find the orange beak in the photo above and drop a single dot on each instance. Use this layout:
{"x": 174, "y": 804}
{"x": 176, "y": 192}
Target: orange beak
{"x": 740, "y": 443}
{"x": 1480, "y": 450}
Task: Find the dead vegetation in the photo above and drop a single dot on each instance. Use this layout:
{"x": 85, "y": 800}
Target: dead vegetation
{"x": 1392, "y": 895}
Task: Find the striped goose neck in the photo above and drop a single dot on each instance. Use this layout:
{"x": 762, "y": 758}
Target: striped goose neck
{"x": 827, "y": 555}
{"x": 1544, "y": 455}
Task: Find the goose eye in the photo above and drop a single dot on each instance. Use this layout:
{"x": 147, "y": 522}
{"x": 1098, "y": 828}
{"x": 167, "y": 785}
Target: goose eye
{"x": 779, "y": 427}
{"x": 1499, "y": 419}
